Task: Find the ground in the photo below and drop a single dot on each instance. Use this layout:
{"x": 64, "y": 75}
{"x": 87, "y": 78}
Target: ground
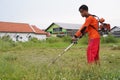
{"x": 30, "y": 60}
{"x": 31, "y": 63}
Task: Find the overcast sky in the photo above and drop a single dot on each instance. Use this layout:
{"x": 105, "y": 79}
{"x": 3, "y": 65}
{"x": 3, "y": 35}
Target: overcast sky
{"x": 43, "y": 12}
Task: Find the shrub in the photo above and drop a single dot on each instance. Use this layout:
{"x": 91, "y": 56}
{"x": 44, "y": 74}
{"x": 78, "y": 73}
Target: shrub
{"x": 109, "y": 39}
{"x": 34, "y": 40}
{"x": 83, "y": 40}
{"x": 6, "y": 43}
{"x": 66, "y": 39}
{"x": 53, "y": 40}
{"x": 6, "y": 38}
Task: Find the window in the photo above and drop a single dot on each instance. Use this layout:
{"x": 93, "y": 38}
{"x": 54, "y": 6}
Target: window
{"x": 21, "y": 37}
{"x": 57, "y": 29}
{"x": 17, "y": 36}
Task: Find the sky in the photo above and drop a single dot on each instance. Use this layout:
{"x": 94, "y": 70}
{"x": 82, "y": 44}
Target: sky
{"x": 43, "y": 12}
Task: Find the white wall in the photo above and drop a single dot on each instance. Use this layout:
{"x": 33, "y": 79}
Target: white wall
{"x": 23, "y": 36}
{"x": 40, "y": 37}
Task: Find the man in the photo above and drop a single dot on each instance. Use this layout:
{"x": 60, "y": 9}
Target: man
{"x": 91, "y": 27}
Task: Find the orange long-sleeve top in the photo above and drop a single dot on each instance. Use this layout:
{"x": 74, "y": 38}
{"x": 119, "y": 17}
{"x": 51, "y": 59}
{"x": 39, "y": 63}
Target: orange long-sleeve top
{"x": 92, "y": 33}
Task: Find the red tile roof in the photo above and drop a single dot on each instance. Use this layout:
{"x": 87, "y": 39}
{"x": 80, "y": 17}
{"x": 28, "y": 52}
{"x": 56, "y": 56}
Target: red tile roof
{"x": 38, "y": 31}
{"x": 19, "y": 27}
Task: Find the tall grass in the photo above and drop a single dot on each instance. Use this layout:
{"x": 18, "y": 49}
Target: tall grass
{"x": 29, "y": 61}
{"x": 32, "y": 64}
{"x": 6, "y": 43}
{"x": 54, "y": 42}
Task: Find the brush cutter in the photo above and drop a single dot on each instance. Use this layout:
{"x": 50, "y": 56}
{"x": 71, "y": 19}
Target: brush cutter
{"x": 54, "y": 60}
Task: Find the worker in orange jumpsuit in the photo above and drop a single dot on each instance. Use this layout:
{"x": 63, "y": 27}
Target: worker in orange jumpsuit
{"x": 91, "y": 27}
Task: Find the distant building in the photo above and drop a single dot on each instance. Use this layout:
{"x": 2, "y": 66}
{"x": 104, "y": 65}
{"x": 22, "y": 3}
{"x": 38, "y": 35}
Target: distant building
{"x": 115, "y": 31}
{"x": 62, "y": 29}
{"x": 21, "y": 31}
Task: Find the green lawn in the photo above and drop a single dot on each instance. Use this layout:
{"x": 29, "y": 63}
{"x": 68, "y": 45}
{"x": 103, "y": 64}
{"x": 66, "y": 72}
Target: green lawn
{"x": 29, "y": 61}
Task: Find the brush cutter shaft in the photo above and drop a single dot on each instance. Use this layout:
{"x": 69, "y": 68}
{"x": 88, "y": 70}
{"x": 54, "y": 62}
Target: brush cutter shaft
{"x": 69, "y": 47}
{"x": 63, "y": 52}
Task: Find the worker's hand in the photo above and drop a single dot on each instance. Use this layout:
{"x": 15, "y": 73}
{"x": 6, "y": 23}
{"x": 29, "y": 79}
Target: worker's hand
{"x": 74, "y": 40}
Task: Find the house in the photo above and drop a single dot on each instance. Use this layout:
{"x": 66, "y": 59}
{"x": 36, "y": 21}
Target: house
{"x": 21, "y": 31}
{"x": 62, "y": 29}
{"x": 115, "y": 31}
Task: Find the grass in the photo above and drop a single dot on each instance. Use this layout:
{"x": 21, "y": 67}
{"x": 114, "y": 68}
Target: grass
{"x": 29, "y": 61}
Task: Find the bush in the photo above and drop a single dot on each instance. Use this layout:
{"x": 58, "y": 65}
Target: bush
{"x": 34, "y": 40}
{"x": 83, "y": 40}
{"x": 66, "y": 39}
{"x": 6, "y": 38}
{"x": 6, "y": 43}
{"x": 53, "y": 40}
{"x": 109, "y": 39}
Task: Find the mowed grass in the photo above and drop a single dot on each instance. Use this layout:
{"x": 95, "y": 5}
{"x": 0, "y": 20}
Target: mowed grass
{"x": 29, "y": 61}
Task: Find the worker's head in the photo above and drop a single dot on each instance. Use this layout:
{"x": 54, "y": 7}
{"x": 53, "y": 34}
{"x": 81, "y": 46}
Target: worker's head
{"x": 83, "y": 10}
